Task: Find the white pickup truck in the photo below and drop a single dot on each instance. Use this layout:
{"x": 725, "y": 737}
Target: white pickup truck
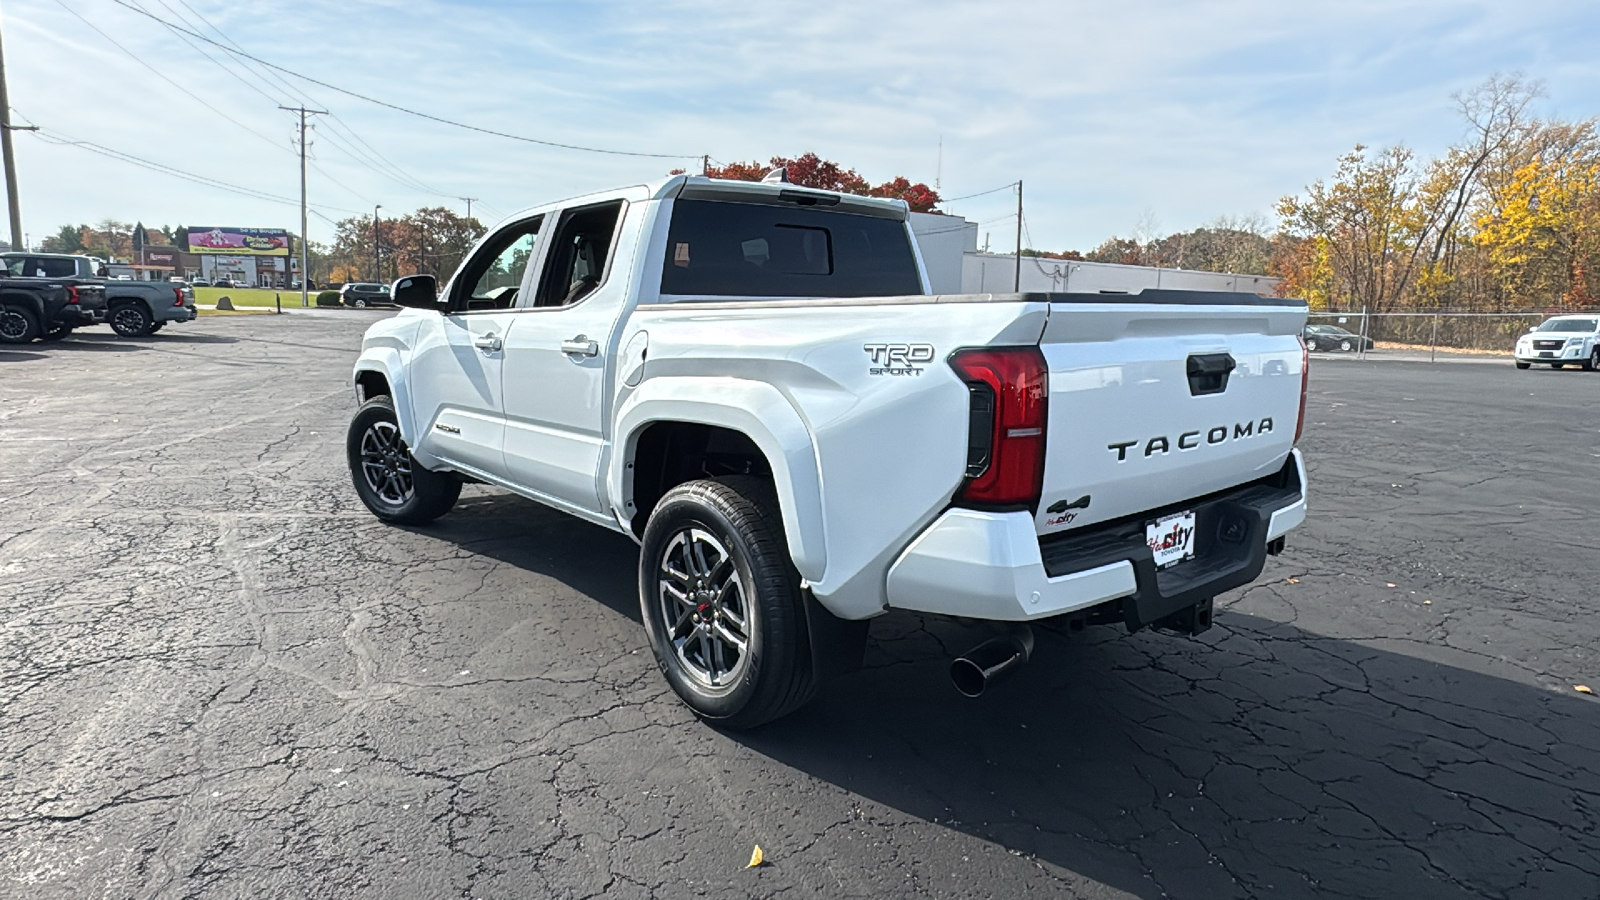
{"x": 752, "y": 381}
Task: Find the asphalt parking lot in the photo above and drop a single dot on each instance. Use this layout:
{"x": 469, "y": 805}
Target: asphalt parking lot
{"x": 220, "y": 677}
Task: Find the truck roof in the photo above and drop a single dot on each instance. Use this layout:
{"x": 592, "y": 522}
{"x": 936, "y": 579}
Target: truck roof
{"x": 699, "y": 187}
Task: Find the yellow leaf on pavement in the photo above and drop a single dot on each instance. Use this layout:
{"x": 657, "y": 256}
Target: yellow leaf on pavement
{"x": 1580, "y": 688}
{"x": 755, "y": 858}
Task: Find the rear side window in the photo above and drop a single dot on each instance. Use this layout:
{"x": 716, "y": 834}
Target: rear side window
{"x": 721, "y": 249}
{"x": 44, "y": 267}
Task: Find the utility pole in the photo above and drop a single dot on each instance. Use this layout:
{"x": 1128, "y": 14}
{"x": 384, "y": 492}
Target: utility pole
{"x": 705, "y": 164}
{"x": 1017, "y": 280}
{"x": 305, "y": 271}
{"x": 469, "y": 204}
{"x": 10, "y": 159}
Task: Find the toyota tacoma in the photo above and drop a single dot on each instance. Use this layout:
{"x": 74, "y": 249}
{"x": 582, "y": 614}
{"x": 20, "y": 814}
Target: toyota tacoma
{"x": 752, "y": 381}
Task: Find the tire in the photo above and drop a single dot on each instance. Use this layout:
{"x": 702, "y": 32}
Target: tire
{"x": 1345, "y": 345}
{"x": 359, "y": 303}
{"x": 391, "y": 483}
{"x": 1593, "y": 362}
{"x": 130, "y": 320}
{"x": 18, "y": 325}
{"x": 743, "y": 583}
{"x": 57, "y": 332}
{"x": 155, "y": 327}
{"x": 1523, "y": 365}
{"x": 1312, "y": 345}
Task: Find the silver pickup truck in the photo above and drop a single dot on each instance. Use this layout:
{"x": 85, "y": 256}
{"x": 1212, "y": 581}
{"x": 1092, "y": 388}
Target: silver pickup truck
{"x": 134, "y": 308}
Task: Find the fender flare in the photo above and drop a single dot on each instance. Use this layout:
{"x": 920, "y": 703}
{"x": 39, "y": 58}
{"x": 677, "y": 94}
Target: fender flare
{"x": 31, "y": 302}
{"x": 761, "y": 413}
{"x": 386, "y": 362}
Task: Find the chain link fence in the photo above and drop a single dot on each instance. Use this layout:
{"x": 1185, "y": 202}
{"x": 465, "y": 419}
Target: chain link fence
{"x": 1422, "y": 331}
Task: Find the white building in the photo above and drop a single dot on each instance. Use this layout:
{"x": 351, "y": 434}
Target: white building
{"x": 956, "y": 266}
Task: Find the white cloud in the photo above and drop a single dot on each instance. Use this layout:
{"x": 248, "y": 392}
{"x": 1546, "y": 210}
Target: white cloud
{"x": 1187, "y": 109}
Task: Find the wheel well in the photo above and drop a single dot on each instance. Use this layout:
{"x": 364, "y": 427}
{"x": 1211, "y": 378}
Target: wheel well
{"x": 372, "y": 384}
{"x": 668, "y": 454}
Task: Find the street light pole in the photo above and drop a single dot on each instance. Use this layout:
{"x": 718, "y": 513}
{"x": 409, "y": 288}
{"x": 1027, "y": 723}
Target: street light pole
{"x": 377, "y": 268}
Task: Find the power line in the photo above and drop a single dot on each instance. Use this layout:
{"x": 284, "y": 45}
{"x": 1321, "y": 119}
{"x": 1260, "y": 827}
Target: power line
{"x": 102, "y": 150}
{"x": 249, "y": 81}
{"x": 394, "y": 106}
{"x": 1003, "y": 187}
{"x": 113, "y": 41}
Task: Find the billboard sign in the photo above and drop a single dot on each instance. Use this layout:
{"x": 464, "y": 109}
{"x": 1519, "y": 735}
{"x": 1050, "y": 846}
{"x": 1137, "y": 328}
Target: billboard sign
{"x": 240, "y": 241}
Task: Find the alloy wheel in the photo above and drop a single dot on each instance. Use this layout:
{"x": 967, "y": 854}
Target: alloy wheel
{"x": 386, "y": 464}
{"x": 13, "y": 324}
{"x": 705, "y": 608}
{"x": 128, "y": 320}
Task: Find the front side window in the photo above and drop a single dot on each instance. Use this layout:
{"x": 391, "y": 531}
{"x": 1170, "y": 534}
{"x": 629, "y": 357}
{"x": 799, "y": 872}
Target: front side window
{"x": 725, "y": 249}
{"x": 493, "y": 277}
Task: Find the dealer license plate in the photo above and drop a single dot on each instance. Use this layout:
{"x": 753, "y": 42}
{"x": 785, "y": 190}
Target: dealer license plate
{"x": 1171, "y": 538}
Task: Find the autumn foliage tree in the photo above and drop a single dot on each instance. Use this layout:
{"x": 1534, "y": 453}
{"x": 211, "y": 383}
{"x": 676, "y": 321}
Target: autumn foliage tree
{"x": 812, "y": 171}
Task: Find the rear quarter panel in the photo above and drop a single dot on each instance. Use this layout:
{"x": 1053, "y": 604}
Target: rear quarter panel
{"x": 888, "y": 447}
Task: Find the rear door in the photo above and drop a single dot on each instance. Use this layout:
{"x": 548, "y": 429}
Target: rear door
{"x": 558, "y": 355}
{"x": 457, "y": 364}
{"x": 1164, "y": 397}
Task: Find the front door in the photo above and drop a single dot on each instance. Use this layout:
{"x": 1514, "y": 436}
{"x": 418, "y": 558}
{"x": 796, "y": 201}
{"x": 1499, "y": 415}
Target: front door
{"x": 556, "y": 359}
{"x": 457, "y": 365}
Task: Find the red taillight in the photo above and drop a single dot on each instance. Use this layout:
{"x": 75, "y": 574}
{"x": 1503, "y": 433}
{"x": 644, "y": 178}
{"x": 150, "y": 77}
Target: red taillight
{"x": 1305, "y": 377}
{"x": 179, "y": 293}
{"x": 1005, "y": 453}
{"x": 72, "y": 294}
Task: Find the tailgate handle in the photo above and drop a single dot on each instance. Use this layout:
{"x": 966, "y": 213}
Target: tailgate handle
{"x": 1208, "y": 373}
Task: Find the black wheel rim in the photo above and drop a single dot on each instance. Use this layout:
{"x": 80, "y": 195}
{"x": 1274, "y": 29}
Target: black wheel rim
{"x": 386, "y": 464}
{"x": 13, "y": 325}
{"x": 705, "y": 607}
{"x": 128, "y": 319}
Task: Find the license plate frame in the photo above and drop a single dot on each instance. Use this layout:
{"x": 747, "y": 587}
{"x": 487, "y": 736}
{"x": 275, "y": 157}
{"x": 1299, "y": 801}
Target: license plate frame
{"x": 1171, "y": 538}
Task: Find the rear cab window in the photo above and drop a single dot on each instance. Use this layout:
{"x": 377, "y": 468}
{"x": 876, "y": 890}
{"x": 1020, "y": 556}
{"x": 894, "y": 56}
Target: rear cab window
{"x": 719, "y": 248}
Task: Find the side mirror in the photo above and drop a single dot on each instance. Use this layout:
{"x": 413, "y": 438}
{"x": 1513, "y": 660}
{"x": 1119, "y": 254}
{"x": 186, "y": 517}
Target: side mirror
{"x": 416, "y": 291}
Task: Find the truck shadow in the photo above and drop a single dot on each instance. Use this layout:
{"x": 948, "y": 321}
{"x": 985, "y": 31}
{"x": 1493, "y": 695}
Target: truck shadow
{"x": 1258, "y": 759}
{"x": 105, "y": 340}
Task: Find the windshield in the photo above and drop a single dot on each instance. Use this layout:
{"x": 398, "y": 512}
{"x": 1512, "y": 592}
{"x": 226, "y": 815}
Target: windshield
{"x": 722, "y": 249}
{"x": 1582, "y": 326}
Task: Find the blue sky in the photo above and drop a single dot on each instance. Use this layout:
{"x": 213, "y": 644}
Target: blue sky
{"x": 1161, "y": 113}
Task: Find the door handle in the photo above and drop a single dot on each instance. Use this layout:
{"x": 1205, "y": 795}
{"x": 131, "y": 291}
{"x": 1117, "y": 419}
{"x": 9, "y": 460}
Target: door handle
{"x": 489, "y": 343}
{"x": 581, "y": 346}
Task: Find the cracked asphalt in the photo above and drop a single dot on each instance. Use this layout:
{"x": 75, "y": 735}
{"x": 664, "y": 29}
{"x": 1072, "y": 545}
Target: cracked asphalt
{"x": 219, "y": 677}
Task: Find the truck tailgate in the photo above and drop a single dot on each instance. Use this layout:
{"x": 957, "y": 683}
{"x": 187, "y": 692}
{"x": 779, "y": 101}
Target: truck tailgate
{"x": 1165, "y": 396}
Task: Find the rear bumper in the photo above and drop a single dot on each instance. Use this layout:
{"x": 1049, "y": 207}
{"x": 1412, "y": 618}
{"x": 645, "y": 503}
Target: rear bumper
{"x": 174, "y": 314}
{"x": 993, "y": 566}
{"x": 79, "y": 316}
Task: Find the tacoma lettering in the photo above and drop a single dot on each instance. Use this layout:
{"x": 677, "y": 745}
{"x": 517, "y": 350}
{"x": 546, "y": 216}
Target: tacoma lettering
{"x": 1161, "y": 445}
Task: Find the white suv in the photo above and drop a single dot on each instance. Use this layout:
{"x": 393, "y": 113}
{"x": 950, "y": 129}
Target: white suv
{"x": 1561, "y": 340}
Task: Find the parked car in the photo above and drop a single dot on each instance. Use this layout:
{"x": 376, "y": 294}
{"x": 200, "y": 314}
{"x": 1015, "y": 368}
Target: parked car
{"x": 225, "y": 283}
{"x": 135, "y": 308}
{"x": 1560, "y": 340}
{"x": 200, "y": 282}
{"x": 752, "y": 381}
{"x": 1332, "y": 337}
{"x": 361, "y": 294}
{"x": 33, "y": 308}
